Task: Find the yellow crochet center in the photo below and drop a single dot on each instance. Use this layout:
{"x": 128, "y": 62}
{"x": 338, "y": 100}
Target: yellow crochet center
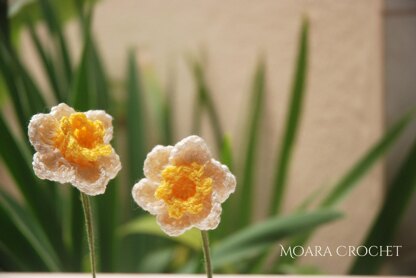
{"x": 80, "y": 140}
{"x": 184, "y": 189}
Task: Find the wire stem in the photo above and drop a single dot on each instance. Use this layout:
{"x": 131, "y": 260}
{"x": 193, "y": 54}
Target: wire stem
{"x": 90, "y": 231}
{"x": 207, "y": 254}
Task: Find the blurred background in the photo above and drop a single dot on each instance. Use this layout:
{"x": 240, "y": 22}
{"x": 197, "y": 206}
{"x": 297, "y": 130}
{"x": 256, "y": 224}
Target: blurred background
{"x": 314, "y": 86}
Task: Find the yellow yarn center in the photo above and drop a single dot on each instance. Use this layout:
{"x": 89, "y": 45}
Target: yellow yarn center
{"x": 184, "y": 189}
{"x": 80, "y": 140}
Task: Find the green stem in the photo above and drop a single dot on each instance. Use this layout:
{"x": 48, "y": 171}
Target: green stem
{"x": 207, "y": 255}
{"x": 90, "y": 231}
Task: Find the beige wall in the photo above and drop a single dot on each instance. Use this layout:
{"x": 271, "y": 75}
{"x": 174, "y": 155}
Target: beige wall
{"x": 343, "y": 112}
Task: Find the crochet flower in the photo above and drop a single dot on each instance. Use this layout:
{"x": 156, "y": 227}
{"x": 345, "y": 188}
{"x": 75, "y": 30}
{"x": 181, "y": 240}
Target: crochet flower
{"x": 74, "y": 147}
{"x": 184, "y": 186}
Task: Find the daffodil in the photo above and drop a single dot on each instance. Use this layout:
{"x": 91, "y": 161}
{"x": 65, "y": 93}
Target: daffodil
{"x": 74, "y": 147}
{"x": 184, "y": 186}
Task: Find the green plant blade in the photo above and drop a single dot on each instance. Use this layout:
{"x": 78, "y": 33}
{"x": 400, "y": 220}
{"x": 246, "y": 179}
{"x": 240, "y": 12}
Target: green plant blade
{"x": 8, "y": 260}
{"x": 204, "y": 100}
{"x": 137, "y": 147}
{"x": 107, "y": 223}
{"x": 388, "y": 219}
{"x": 14, "y": 88}
{"x": 292, "y": 122}
{"x": 20, "y": 10}
{"x": 136, "y": 133}
{"x": 53, "y": 22}
{"x": 46, "y": 61}
{"x": 15, "y": 247}
{"x": 75, "y": 226}
{"x": 168, "y": 111}
{"x": 348, "y": 181}
{"x": 4, "y": 21}
{"x": 255, "y": 239}
{"x": 156, "y": 261}
{"x": 83, "y": 95}
{"x": 100, "y": 78}
{"x": 160, "y": 102}
{"x": 226, "y": 155}
{"x": 147, "y": 225}
{"x": 25, "y": 94}
{"x": 19, "y": 168}
{"x": 253, "y": 130}
{"x": 29, "y": 227}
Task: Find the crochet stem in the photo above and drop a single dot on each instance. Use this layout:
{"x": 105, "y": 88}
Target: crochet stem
{"x": 90, "y": 231}
{"x": 207, "y": 255}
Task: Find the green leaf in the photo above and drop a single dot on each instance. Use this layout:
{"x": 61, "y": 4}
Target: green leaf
{"x": 168, "y": 111}
{"x": 14, "y": 88}
{"x": 9, "y": 261}
{"x": 25, "y": 94}
{"x": 75, "y": 226}
{"x": 107, "y": 220}
{"x": 4, "y": 22}
{"x": 54, "y": 25}
{"x": 20, "y": 10}
{"x": 161, "y": 104}
{"x": 226, "y": 155}
{"x": 204, "y": 100}
{"x": 156, "y": 261}
{"x": 341, "y": 189}
{"x": 90, "y": 86}
{"x": 100, "y": 79}
{"x": 15, "y": 248}
{"x": 252, "y": 134}
{"x": 82, "y": 93}
{"x": 137, "y": 149}
{"x": 292, "y": 122}
{"x": 136, "y": 130}
{"x": 147, "y": 225}
{"x": 47, "y": 64}
{"x": 250, "y": 241}
{"x": 29, "y": 227}
{"x": 389, "y": 217}
{"x": 359, "y": 169}
{"x": 18, "y": 165}
{"x": 311, "y": 198}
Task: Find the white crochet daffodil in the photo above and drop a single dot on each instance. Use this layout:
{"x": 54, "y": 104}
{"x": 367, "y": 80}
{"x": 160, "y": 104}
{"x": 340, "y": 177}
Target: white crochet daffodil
{"x": 74, "y": 147}
{"x": 184, "y": 186}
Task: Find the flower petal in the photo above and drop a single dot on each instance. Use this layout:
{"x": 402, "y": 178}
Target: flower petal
{"x": 61, "y": 110}
{"x": 172, "y": 226}
{"x": 111, "y": 164}
{"x": 90, "y": 180}
{"x": 41, "y": 132}
{"x": 156, "y": 161}
{"x": 93, "y": 180}
{"x": 224, "y": 182}
{"x": 144, "y": 194}
{"x": 53, "y": 166}
{"x": 176, "y": 227}
{"x": 212, "y": 220}
{"x": 191, "y": 149}
{"x": 105, "y": 119}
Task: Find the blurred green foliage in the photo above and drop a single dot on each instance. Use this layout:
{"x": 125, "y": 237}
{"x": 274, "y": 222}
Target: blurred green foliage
{"x": 43, "y": 229}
